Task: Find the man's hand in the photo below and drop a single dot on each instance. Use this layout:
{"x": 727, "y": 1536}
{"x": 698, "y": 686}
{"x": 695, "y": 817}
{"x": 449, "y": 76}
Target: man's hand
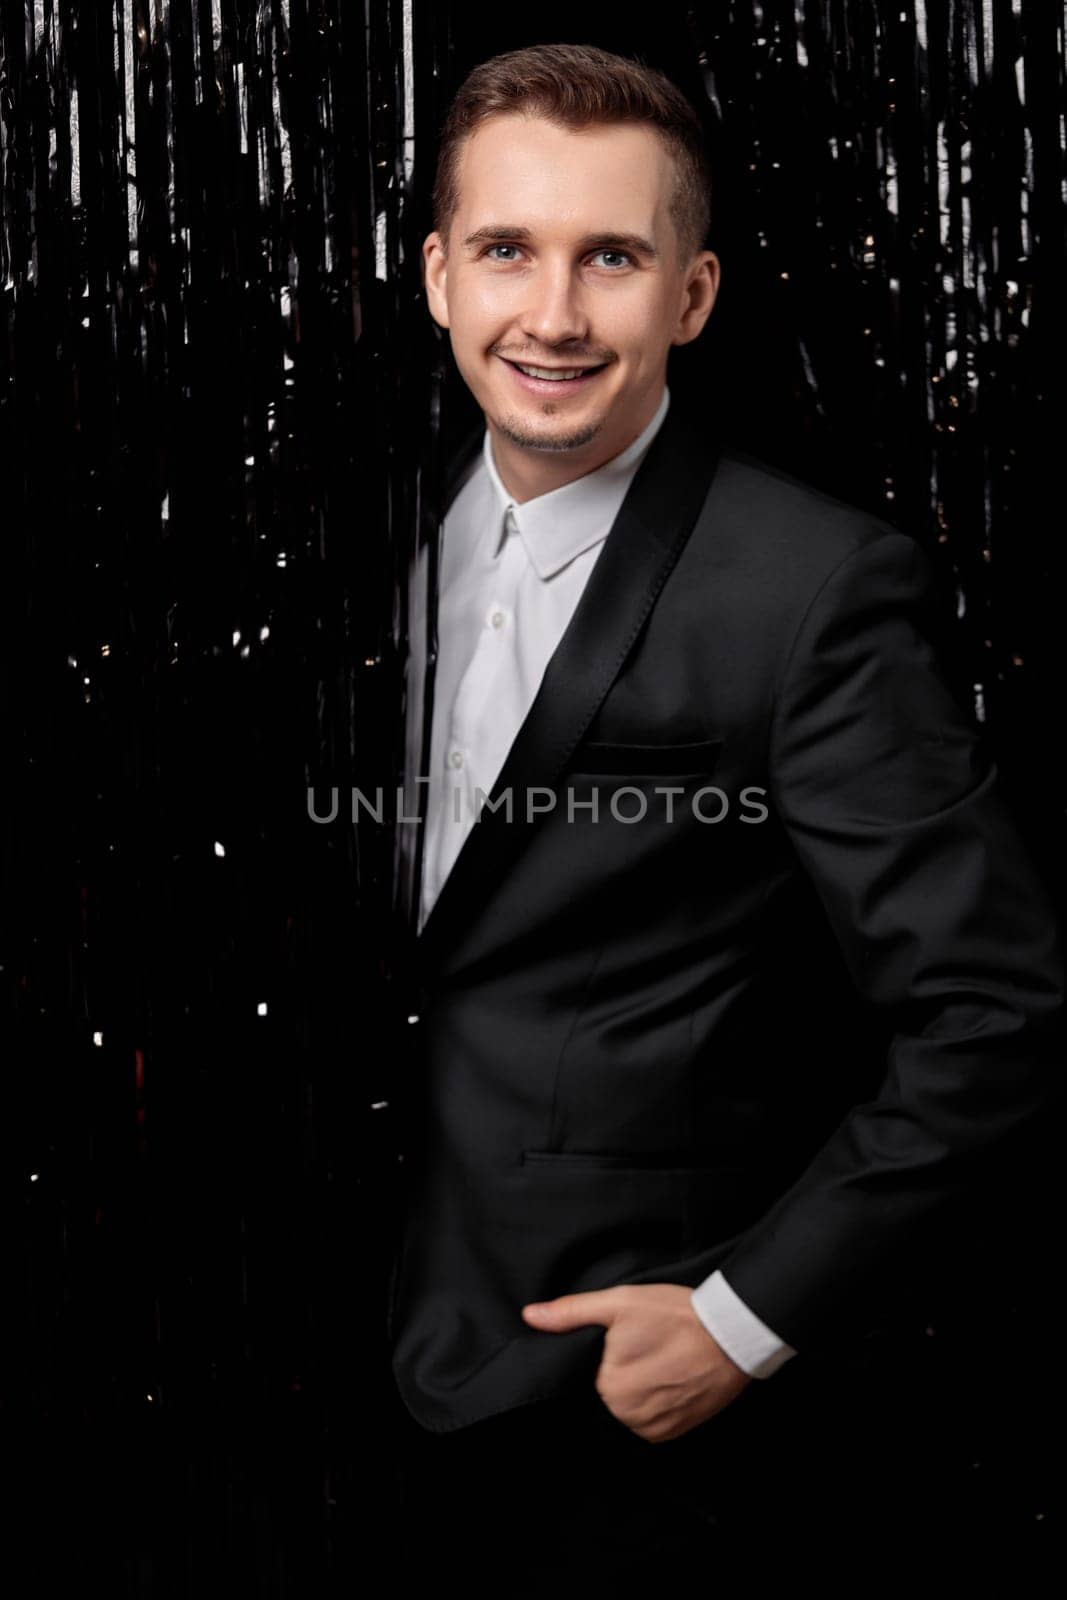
{"x": 661, "y": 1373}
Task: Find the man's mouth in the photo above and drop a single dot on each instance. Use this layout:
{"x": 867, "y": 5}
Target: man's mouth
{"x": 552, "y": 380}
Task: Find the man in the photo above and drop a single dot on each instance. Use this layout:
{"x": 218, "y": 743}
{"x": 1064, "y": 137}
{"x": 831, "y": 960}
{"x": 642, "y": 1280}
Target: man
{"x": 705, "y": 704}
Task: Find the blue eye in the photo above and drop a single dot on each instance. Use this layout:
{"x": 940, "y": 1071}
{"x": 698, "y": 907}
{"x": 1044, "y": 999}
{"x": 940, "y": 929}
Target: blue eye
{"x": 607, "y": 251}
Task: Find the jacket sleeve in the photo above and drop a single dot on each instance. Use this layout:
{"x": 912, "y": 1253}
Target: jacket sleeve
{"x": 892, "y": 805}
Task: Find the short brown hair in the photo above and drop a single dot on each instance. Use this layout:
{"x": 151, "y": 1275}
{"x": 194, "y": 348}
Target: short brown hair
{"x": 576, "y": 86}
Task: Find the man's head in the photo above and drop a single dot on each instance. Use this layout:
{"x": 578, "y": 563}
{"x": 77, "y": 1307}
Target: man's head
{"x": 571, "y": 208}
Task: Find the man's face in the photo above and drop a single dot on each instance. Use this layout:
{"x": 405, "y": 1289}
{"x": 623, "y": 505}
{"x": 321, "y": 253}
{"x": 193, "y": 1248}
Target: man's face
{"x": 562, "y": 254}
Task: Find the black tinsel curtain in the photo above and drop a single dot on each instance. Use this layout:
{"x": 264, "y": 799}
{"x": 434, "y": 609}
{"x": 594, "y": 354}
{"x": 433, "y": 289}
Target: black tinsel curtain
{"x": 222, "y": 415}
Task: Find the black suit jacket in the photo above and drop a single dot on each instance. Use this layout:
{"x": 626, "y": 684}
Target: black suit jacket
{"x": 638, "y": 1054}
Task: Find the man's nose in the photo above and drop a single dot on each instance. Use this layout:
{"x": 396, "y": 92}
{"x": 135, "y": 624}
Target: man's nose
{"x": 554, "y": 311}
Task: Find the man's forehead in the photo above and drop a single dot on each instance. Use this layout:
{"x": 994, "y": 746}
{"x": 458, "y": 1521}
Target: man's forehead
{"x": 524, "y": 175}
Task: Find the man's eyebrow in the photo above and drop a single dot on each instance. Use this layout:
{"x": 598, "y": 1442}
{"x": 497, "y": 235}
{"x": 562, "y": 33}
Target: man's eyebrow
{"x": 501, "y": 234}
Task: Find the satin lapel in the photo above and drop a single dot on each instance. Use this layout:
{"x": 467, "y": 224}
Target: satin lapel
{"x": 645, "y": 541}
{"x": 455, "y": 469}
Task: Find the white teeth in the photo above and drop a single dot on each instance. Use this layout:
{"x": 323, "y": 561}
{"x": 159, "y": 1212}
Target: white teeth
{"x": 551, "y": 375}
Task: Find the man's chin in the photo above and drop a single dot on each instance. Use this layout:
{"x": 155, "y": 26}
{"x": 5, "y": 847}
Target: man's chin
{"x": 551, "y": 438}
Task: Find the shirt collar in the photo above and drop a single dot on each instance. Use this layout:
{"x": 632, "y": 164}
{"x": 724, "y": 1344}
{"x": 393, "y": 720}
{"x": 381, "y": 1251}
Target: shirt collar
{"x": 557, "y": 526}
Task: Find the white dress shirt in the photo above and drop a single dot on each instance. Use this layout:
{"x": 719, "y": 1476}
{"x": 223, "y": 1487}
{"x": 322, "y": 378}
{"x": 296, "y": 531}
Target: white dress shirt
{"x": 510, "y": 578}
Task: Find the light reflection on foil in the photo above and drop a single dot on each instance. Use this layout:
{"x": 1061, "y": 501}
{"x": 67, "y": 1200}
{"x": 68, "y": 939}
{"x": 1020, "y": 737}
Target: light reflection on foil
{"x": 908, "y": 134}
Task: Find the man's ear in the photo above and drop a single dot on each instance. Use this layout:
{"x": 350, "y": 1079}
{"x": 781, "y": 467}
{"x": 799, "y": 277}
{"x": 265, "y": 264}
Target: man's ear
{"x": 435, "y": 278}
{"x": 700, "y": 291}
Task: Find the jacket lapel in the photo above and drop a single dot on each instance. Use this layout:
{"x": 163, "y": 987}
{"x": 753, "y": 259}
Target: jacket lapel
{"x": 646, "y": 539}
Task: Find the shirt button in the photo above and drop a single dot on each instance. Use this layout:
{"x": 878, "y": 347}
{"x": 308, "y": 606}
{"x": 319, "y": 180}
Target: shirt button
{"x": 456, "y": 758}
{"x": 498, "y": 619}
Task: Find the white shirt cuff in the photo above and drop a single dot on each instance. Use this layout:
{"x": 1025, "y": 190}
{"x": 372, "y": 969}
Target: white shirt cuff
{"x": 748, "y": 1341}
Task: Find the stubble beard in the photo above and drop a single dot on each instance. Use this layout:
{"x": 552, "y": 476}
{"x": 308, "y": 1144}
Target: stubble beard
{"x": 515, "y": 430}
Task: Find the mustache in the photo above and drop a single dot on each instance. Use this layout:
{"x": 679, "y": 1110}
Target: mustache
{"x": 570, "y": 359}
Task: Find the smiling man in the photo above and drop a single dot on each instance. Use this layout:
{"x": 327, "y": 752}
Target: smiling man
{"x": 646, "y": 1169}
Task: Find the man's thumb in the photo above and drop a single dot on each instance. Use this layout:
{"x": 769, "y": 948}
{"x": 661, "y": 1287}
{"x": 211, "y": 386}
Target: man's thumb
{"x": 569, "y": 1311}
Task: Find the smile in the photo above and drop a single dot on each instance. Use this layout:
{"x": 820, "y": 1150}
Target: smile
{"x": 553, "y": 380}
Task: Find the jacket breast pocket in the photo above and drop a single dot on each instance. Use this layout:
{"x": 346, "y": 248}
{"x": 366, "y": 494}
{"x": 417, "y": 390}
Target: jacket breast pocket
{"x": 646, "y": 760}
